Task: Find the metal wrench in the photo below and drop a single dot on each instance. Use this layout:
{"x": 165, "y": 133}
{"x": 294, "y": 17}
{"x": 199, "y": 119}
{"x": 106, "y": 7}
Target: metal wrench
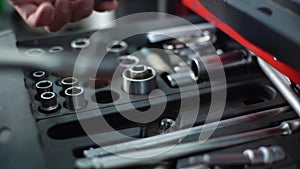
{"x": 262, "y": 155}
{"x": 177, "y": 135}
{"x": 134, "y": 158}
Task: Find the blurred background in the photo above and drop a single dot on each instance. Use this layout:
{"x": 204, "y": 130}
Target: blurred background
{"x": 9, "y": 18}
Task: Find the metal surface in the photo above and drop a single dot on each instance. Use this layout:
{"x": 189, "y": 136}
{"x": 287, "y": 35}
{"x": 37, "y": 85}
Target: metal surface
{"x": 80, "y": 43}
{"x": 262, "y": 155}
{"x": 127, "y": 61}
{"x": 49, "y": 102}
{"x": 39, "y": 75}
{"x": 139, "y": 80}
{"x": 167, "y": 125}
{"x": 155, "y": 58}
{"x": 68, "y": 82}
{"x": 282, "y": 84}
{"x": 56, "y": 49}
{"x": 210, "y": 63}
{"x": 117, "y": 47}
{"x": 75, "y": 98}
{"x": 170, "y": 152}
{"x": 181, "y": 77}
{"x": 34, "y": 52}
{"x": 178, "y": 135}
{"x": 43, "y": 86}
{"x": 180, "y": 31}
{"x": 265, "y": 155}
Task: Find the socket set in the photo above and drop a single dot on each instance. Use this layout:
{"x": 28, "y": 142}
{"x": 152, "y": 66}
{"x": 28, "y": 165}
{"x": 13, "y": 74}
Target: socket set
{"x": 258, "y": 128}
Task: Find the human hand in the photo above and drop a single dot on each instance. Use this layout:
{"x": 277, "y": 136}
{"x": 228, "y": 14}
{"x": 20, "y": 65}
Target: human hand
{"x": 54, "y": 14}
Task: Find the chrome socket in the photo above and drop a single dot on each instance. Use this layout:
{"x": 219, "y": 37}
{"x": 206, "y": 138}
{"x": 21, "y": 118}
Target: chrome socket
{"x": 42, "y": 87}
{"x": 56, "y": 49}
{"x": 181, "y": 78}
{"x": 34, "y": 52}
{"x": 75, "y": 98}
{"x": 80, "y": 43}
{"x": 127, "y": 61}
{"x": 201, "y": 65}
{"x": 139, "y": 80}
{"x": 117, "y": 47}
{"x": 265, "y": 155}
{"x": 39, "y": 75}
{"x": 49, "y": 102}
{"x": 68, "y": 82}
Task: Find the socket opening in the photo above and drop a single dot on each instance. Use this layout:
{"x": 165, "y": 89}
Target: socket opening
{"x": 43, "y": 84}
{"x": 34, "y": 52}
{"x": 69, "y": 81}
{"x": 56, "y": 49}
{"x": 74, "y": 91}
{"x": 128, "y": 61}
{"x": 117, "y": 46}
{"x": 80, "y": 43}
{"x": 139, "y": 68}
{"x": 195, "y": 67}
{"x": 39, "y": 74}
{"x": 106, "y": 96}
{"x": 48, "y": 95}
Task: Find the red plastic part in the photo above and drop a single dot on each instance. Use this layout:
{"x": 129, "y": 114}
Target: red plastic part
{"x": 197, "y": 7}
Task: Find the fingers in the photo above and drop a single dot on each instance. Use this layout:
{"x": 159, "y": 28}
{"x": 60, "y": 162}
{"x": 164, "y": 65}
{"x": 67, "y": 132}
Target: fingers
{"x": 81, "y": 9}
{"x": 22, "y": 2}
{"x": 62, "y": 15}
{"x": 54, "y": 14}
{"x": 106, "y": 5}
{"x": 34, "y": 15}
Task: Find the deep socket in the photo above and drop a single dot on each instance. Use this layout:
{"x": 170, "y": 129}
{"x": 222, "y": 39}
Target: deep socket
{"x": 75, "y": 98}
{"x": 139, "y": 80}
{"x": 49, "y": 102}
{"x": 69, "y": 82}
{"x": 39, "y": 75}
{"x": 180, "y": 78}
{"x": 42, "y": 87}
{"x": 202, "y": 65}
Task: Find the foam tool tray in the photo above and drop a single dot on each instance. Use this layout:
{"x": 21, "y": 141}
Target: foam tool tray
{"x": 55, "y": 139}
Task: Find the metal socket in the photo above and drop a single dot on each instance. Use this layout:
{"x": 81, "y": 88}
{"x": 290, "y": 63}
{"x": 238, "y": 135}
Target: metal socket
{"x": 139, "y": 80}
{"x": 75, "y": 98}
{"x": 39, "y": 75}
{"x": 80, "y": 43}
{"x": 127, "y": 61}
{"x": 56, "y": 49}
{"x": 69, "y": 82}
{"x": 265, "y": 155}
{"x": 180, "y": 78}
{"x": 49, "y": 102}
{"x": 34, "y": 52}
{"x": 42, "y": 87}
{"x": 117, "y": 47}
{"x": 201, "y": 65}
